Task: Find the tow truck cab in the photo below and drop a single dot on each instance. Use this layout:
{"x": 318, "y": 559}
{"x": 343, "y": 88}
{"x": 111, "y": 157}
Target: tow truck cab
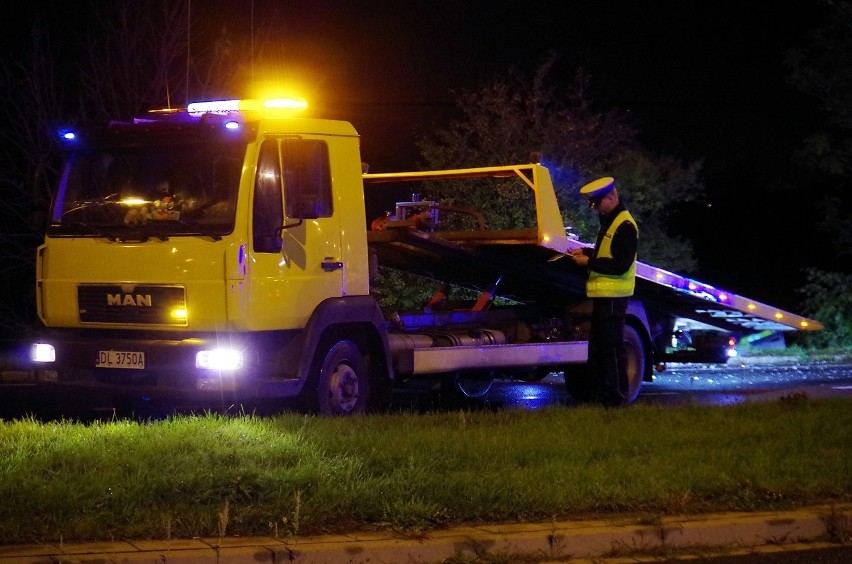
{"x": 173, "y": 253}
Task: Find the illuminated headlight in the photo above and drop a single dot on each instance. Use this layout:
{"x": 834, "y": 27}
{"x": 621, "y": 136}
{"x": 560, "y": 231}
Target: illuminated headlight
{"x": 732, "y": 343}
{"x": 42, "y": 352}
{"x": 219, "y": 359}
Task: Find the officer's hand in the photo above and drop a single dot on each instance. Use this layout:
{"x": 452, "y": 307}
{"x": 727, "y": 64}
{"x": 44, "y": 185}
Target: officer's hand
{"x": 578, "y": 257}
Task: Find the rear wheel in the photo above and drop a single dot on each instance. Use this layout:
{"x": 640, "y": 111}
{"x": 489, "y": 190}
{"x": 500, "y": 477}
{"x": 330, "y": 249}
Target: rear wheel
{"x": 343, "y": 382}
{"x": 584, "y": 385}
{"x": 635, "y": 353}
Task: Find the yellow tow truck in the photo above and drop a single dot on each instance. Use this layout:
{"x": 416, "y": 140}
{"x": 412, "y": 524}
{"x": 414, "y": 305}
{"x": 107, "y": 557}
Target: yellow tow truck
{"x": 222, "y": 253}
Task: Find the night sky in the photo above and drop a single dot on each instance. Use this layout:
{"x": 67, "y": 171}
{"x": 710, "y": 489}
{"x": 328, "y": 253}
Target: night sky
{"x": 703, "y": 79}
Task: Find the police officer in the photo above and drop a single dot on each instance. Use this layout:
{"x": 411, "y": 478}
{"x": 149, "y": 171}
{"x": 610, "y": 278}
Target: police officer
{"x": 611, "y": 278}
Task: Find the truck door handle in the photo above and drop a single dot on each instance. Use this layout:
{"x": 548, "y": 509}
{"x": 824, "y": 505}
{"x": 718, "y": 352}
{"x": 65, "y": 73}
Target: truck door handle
{"x": 330, "y": 265}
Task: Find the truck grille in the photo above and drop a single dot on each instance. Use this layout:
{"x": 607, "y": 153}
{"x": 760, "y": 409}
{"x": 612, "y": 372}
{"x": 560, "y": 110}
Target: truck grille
{"x": 131, "y": 304}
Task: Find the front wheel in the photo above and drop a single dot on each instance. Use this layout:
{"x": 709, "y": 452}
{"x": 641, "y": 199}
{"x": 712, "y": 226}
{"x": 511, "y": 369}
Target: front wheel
{"x": 343, "y": 382}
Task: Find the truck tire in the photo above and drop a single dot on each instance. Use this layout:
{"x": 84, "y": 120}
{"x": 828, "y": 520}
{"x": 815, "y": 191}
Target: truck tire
{"x": 584, "y": 386}
{"x": 634, "y": 349}
{"x": 343, "y": 382}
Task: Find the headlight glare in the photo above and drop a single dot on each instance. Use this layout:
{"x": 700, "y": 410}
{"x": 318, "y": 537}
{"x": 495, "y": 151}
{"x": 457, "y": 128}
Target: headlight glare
{"x": 219, "y": 359}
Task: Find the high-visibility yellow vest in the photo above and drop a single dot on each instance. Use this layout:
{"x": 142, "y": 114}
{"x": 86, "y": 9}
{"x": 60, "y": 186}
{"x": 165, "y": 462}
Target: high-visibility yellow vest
{"x": 612, "y": 285}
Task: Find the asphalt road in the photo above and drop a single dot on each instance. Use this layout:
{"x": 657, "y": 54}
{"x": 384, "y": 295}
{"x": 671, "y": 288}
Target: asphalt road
{"x": 778, "y": 555}
{"x": 762, "y": 379}
{"x": 710, "y": 384}
{"x": 749, "y": 380}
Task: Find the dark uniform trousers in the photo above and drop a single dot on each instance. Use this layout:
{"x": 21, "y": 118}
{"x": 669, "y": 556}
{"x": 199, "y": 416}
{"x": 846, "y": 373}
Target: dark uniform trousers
{"x": 607, "y": 356}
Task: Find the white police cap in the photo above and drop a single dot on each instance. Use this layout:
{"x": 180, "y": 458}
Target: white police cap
{"x": 598, "y": 188}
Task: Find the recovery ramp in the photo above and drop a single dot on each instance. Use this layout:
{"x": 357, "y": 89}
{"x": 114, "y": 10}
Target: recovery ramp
{"x": 523, "y": 264}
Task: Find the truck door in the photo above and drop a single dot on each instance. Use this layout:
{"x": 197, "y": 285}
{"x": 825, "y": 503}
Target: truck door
{"x": 296, "y": 256}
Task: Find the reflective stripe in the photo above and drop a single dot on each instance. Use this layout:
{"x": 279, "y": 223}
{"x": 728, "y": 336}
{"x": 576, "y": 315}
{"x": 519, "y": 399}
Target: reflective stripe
{"x": 601, "y": 285}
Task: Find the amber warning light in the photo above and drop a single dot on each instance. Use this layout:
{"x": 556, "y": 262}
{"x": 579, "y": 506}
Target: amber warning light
{"x": 228, "y": 106}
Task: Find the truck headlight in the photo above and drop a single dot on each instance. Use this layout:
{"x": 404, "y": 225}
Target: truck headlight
{"x": 43, "y": 352}
{"x": 219, "y": 359}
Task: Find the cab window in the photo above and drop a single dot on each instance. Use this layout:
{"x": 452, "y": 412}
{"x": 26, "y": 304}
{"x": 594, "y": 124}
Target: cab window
{"x": 267, "y": 209}
{"x": 307, "y": 181}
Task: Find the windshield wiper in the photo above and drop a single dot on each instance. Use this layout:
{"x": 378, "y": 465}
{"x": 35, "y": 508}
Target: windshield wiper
{"x": 97, "y": 230}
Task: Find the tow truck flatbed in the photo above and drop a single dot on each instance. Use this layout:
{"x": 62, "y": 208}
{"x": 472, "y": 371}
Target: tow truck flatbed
{"x": 522, "y": 260}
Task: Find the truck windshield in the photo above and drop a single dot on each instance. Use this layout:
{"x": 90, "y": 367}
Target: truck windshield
{"x": 145, "y": 191}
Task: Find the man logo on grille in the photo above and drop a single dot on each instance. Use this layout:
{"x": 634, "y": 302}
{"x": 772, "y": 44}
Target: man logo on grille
{"x": 138, "y": 300}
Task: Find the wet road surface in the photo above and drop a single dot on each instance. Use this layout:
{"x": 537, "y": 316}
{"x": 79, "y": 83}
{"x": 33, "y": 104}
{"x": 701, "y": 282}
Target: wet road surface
{"x": 709, "y": 384}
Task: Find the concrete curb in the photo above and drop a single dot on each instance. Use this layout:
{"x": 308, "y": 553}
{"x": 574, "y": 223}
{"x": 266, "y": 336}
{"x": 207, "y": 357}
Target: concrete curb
{"x": 558, "y": 541}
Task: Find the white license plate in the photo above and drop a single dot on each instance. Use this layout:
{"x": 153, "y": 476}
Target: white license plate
{"x": 120, "y": 359}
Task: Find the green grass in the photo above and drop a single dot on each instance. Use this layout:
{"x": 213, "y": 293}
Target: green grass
{"x": 214, "y": 476}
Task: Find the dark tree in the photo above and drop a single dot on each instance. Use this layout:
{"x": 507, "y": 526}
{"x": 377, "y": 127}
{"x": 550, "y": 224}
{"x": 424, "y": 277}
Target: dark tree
{"x": 506, "y": 119}
{"x": 822, "y": 69}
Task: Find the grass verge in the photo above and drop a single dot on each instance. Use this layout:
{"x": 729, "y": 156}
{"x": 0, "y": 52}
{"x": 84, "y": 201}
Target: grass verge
{"x": 213, "y": 476}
